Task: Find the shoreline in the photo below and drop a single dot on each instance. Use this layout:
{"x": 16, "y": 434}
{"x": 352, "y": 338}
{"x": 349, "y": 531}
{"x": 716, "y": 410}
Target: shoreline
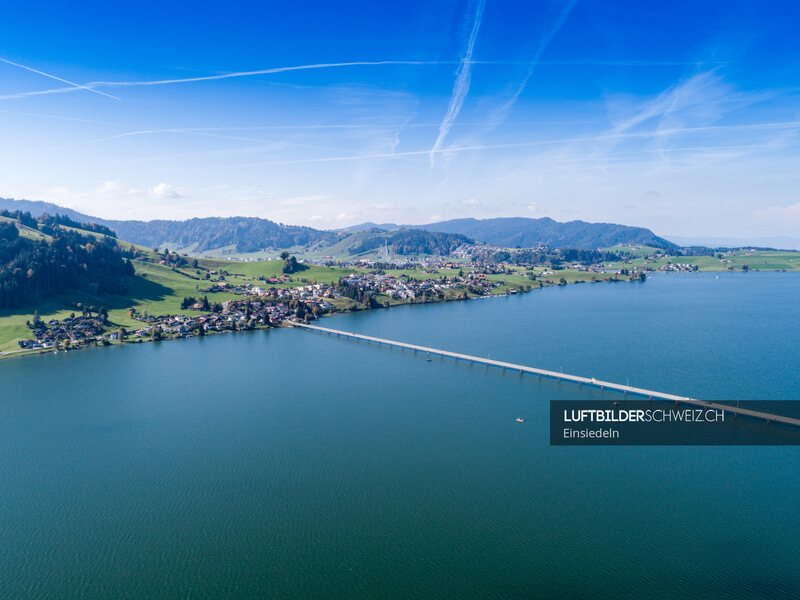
{"x": 288, "y": 323}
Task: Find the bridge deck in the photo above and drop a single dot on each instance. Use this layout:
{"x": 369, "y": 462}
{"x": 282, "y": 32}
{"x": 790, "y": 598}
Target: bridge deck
{"x": 603, "y": 385}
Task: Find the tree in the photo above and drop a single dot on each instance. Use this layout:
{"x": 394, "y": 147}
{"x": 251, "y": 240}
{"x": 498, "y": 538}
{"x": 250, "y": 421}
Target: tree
{"x": 290, "y": 265}
{"x": 284, "y": 255}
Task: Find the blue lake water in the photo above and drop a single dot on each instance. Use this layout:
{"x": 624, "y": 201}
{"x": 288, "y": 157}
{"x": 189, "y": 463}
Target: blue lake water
{"x": 290, "y": 464}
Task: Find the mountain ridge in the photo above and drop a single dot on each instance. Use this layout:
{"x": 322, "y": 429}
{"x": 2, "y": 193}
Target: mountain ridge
{"x": 251, "y": 234}
{"x": 525, "y": 232}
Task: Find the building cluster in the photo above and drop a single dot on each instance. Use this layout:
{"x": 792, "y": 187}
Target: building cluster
{"x": 235, "y": 315}
{"x": 678, "y": 267}
{"x": 262, "y": 305}
{"x": 72, "y": 330}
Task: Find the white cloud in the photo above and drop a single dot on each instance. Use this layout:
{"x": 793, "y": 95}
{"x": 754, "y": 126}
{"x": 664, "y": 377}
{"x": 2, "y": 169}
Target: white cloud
{"x": 470, "y": 202}
{"x": 780, "y": 213}
{"x": 435, "y": 218}
{"x": 108, "y": 186}
{"x": 535, "y": 208}
{"x": 164, "y": 190}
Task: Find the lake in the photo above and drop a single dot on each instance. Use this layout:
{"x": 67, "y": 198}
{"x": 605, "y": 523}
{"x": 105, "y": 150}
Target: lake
{"x": 290, "y": 464}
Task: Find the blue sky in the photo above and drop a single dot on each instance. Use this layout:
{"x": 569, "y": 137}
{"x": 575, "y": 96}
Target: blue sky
{"x": 678, "y": 116}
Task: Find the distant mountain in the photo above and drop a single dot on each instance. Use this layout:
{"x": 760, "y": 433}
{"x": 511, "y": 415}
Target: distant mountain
{"x": 37, "y": 209}
{"x": 404, "y": 242}
{"x": 251, "y": 234}
{"x": 385, "y": 226}
{"x": 248, "y": 234}
{"x": 783, "y": 243}
{"x": 528, "y": 233}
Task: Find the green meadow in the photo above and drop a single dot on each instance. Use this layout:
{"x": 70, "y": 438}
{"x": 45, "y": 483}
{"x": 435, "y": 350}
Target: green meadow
{"x": 159, "y": 289}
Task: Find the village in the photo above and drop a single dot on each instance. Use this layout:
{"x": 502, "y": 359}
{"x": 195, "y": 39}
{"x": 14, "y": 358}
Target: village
{"x": 270, "y": 301}
{"x": 268, "y": 304}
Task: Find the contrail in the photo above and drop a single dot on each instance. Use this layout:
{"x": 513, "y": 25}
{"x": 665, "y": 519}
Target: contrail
{"x": 587, "y": 138}
{"x": 95, "y": 84}
{"x": 267, "y": 72}
{"x": 503, "y": 111}
{"x": 75, "y": 85}
{"x": 461, "y": 86}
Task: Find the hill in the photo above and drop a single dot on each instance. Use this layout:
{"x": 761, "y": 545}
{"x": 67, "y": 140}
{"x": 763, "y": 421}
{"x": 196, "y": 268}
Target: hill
{"x": 32, "y": 269}
{"x": 528, "y": 233}
{"x": 403, "y": 242}
{"x": 251, "y": 234}
{"x": 521, "y": 232}
{"x": 248, "y": 234}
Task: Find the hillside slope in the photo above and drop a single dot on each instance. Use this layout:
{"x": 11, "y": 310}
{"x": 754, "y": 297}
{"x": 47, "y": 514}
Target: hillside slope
{"x": 251, "y": 234}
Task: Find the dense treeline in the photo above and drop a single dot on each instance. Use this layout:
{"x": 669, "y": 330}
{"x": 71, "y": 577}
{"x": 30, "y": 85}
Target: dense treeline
{"x": 356, "y": 293}
{"x": 248, "y": 234}
{"x": 32, "y": 270}
{"x": 25, "y": 218}
{"x": 48, "y": 220}
{"x": 48, "y": 223}
{"x": 521, "y": 232}
{"x": 553, "y": 256}
{"x": 412, "y": 241}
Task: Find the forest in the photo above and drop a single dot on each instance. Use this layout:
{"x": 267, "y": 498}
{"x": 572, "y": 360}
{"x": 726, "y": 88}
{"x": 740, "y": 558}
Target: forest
{"x": 32, "y": 270}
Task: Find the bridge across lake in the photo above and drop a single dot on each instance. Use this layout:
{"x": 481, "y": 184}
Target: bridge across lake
{"x": 581, "y": 381}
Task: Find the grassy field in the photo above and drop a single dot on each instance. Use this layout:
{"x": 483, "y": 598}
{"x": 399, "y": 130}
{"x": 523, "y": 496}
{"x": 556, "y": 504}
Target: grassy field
{"x": 729, "y": 261}
{"x": 26, "y": 232}
{"x": 159, "y": 289}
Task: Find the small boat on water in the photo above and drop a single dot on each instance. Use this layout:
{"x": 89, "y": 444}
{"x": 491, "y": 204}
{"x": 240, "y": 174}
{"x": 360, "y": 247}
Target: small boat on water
{"x": 520, "y": 420}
